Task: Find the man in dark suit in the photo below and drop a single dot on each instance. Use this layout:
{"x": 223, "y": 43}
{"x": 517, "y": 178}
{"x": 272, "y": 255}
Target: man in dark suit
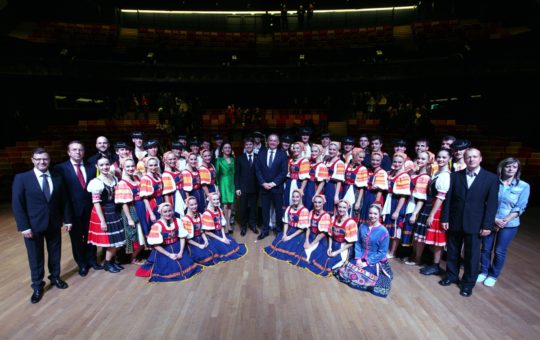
{"x": 271, "y": 170}
{"x": 247, "y": 187}
{"x": 76, "y": 175}
{"x": 468, "y": 215}
{"x": 40, "y": 204}
{"x": 103, "y": 150}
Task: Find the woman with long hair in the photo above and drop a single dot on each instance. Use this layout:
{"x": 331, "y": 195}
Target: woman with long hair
{"x": 225, "y": 168}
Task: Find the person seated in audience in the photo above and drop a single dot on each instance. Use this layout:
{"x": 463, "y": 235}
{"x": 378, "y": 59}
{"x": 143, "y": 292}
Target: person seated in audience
{"x": 370, "y": 270}
{"x": 513, "y": 198}
{"x": 169, "y": 259}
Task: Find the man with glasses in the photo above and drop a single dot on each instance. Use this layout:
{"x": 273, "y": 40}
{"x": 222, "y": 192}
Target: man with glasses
{"x": 40, "y": 204}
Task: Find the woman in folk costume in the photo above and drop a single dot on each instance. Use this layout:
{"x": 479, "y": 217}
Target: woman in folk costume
{"x": 419, "y": 186}
{"x": 399, "y": 191}
{"x": 376, "y": 186}
{"x": 336, "y": 175}
{"x": 133, "y": 210}
{"x": 318, "y": 173}
{"x": 428, "y": 228}
{"x": 297, "y": 175}
{"x": 316, "y": 243}
{"x": 289, "y": 244}
{"x": 213, "y": 222}
{"x": 152, "y": 192}
{"x": 169, "y": 260}
{"x": 356, "y": 177}
{"x": 199, "y": 246}
{"x": 173, "y": 184}
{"x": 207, "y": 171}
{"x": 370, "y": 270}
{"x": 192, "y": 182}
{"x": 343, "y": 234}
{"x": 106, "y": 229}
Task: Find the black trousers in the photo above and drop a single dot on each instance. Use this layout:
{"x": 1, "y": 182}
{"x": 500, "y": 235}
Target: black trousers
{"x": 83, "y": 252}
{"x": 267, "y": 200}
{"x": 248, "y": 209}
{"x": 36, "y": 255}
{"x": 471, "y": 260}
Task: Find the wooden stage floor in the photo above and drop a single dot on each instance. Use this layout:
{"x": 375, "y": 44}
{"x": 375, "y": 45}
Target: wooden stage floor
{"x": 259, "y": 298}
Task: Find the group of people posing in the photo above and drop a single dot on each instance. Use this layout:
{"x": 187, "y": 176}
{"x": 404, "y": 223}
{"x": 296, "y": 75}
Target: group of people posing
{"x": 337, "y": 208}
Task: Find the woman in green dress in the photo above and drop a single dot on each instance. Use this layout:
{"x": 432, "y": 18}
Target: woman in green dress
{"x": 225, "y": 180}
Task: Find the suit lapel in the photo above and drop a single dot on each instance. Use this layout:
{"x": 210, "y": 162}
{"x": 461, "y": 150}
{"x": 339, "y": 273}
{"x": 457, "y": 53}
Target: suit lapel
{"x": 34, "y": 182}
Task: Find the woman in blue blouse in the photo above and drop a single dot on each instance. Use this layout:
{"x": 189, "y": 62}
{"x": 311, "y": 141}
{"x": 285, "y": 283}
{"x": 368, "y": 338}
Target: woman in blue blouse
{"x": 370, "y": 270}
{"x": 513, "y": 198}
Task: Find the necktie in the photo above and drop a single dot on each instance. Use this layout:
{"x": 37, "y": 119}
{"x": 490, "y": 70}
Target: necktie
{"x": 250, "y": 160}
{"x": 80, "y": 175}
{"x": 271, "y": 161}
{"x": 45, "y": 187}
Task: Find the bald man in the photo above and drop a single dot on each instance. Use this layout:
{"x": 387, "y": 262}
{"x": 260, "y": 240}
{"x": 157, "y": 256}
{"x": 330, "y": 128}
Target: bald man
{"x": 468, "y": 215}
{"x": 103, "y": 149}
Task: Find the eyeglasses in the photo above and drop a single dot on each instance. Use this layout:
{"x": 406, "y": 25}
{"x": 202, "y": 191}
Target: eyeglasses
{"x": 40, "y": 159}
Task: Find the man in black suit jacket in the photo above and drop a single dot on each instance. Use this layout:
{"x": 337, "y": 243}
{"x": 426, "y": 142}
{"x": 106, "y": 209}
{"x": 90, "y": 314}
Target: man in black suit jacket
{"x": 76, "y": 175}
{"x": 271, "y": 170}
{"x": 103, "y": 149}
{"x": 468, "y": 215}
{"x": 40, "y": 204}
{"x": 247, "y": 187}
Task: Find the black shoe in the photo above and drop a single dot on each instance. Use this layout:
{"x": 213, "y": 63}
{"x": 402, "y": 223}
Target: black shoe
{"x": 96, "y": 266}
{"x": 109, "y": 267}
{"x": 83, "y": 271}
{"x": 263, "y": 235}
{"x": 243, "y": 231}
{"x": 117, "y": 265}
{"x": 36, "y": 295}
{"x": 430, "y": 270}
{"x": 254, "y": 229}
{"x": 446, "y": 282}
{"x": 58, "y": 283}
{"x": 465, "y": 291}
